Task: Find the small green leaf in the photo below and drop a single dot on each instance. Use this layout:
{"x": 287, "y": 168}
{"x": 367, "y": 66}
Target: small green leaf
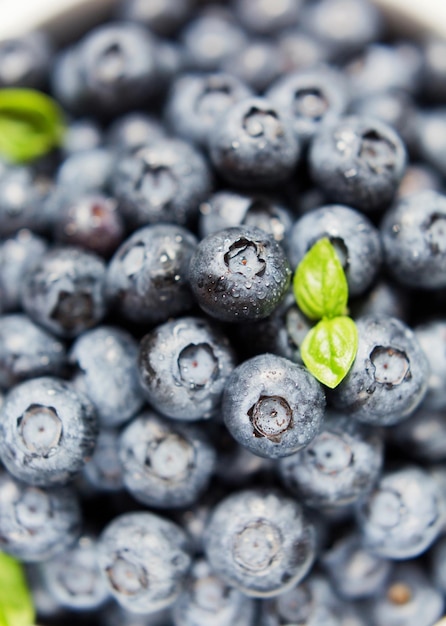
{"x": 329, "y": 349}
{"x": 31, "y": 124}
{"x": 16, "y": 607}
{"x": 320, "y": 285}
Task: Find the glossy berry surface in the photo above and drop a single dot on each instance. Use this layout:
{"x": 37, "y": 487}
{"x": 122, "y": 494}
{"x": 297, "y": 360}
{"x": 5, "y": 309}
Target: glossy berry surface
{"x": 239, "y": 273}
{"x": 272, "y": 406}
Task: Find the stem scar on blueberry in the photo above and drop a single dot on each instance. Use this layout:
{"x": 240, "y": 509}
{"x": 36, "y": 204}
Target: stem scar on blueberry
{"x": 321, "y": 291}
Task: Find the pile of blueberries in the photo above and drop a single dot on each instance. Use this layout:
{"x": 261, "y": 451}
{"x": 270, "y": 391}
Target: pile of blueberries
{"x": 166, "y": 457}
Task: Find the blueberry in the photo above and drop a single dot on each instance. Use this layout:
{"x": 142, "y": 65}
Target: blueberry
{"x": 409, "y": 598}
{"x": 211, "y": 38}
{"x": 163, "y": 18}
{"x": 432, "y": 338}
{"x": 184, "y": 365}
{"x": 25, "y": 61}
{"x": 414, "y": 240}
{"x": 301, "y": 49}
{"x": 144, "y": 559}
{"x": 17, "y": 256}
{"x": 73, "y": 577}
{"x": 163, "y": 181}
{"x": 431, "y": 145}
{"x": 259, "y": 542}
{"x": 147, "y": 278}
{"x": 338, "y": 467}
{"x": 354, "y": 572}
{"x": 419, "y": 177}
{"x": 227, "y": 208}
{"x": 389, "y": 376}
{"x": 106, "y": 361}
{"x": 81, "y": 135}
{"x": 196, "y": 101}
{"x": 343, "y": 26}
{"x": 267, "y": 17}
{"x": 272, "y": 406}
{"x": 27, "y": 351}
{"x": 353, "y": 236}
{"x": 438, "y": 564}
{"x": 22, "y": 201}
{"x": 311, "y": 98}
{"x": 312, "y": 603}
{"x": 257, "y": 64}
{"x": 358, "y": 161}
{"x": 103, "y": 471}
{"x": 384, "y": 298}
{"x": 84, "y": 172}
{"x": 165, "y": 464}
{"x": 134, "y": 129}
{"x": 36, "y": 524}
{"x": 208, "y": 600}
{"x": 64, "y": 291}
{"x": 384, "y": 68}
{"x": 433, "y": 70}
{"x": 91, "y": 222}
{"x": 423, "y": 435}
{"x": 403, "y": 515}
{"x": 48, "y": 431}
{"x": 253, "y": 144}
{"x": 239, "y": 273}
{"x": 116, "y": 615}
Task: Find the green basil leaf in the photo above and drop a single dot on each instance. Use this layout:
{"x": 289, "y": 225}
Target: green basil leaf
{"x": 31, "y": 124}
{"x": 329, "y": 349}
{"x": 320, "y": 285}
{"x": 16, "y": 607}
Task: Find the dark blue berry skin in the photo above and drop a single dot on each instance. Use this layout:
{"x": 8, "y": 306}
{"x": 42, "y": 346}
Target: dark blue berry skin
{"x": 27, "y": 351}
{"x": 196, "y": 101}
{"x": 300, "y": 49}
{"x": 208, "y": 601}
{"x": 272, "y": 406}
{"x": 65, "y": 291}
{"x": 281, "y": 333}
{"x": 73, "y": 577}
{"x": 85, "y": 172}
{"x": 267, "y": 18}
{"x": 354, "y": 237}
{"x": 403, "y": 515}
{"x": 147, "y": 278}
{"x": 253, "y": 144}
{"x": 354, "y": 572}
{"x": 433, "y": 71}
{"x": 227, "y": 208}
{"x": 162, "y": 18}
{"x": 163, "y": 181}
{"x": 81, "y": 135}
{"x": 258, "y": 64}
{"x": 438, "y": 564}
{"x": 132, "y": 130}
{"x": 66, "y": 82}
{"x": 419, "y": 177}
{"x": 389, "y": 376}
{"x": 144, "y": 559}
{"x": 344, "y": 27}
{"x": 106, "y": 362}
{"x": 259, "y": 542}
{"x": 118, "y": 66}
{"x": 311, "y": 98}
{"x": 239, "y": 274}
{"x": 423, "y": 435}
{"x": 338, "y": 467}
{"x": 413, "y": 234}
{"x": 91, "y": 222}
{"x": 116, "y": 615}
{"x": 432, "y": 338}
{"x": 385, "y": 68}
{"x": 165, "y": 464}
{"x": 312, "y": 602}
{"x": 36, "y": 524}
{"x": 384, "y": 298}
{"x": 358, "y": 161}
{"x": 184, "y": 365}
{"x": 17, "y": 255}
{"x": 48, "y": 431}
{"x": 409, "y": 598}
{"x": 103, "y": 472}
{"x": 25, "y": 61}
{"x": 212, "y": 24}
{"x": 22, "y": 201}
{"x": 431, "y": 145}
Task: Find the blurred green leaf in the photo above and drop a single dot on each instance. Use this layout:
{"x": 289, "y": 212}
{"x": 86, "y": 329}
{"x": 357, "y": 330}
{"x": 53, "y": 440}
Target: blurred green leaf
{"x": 16, "y": 606}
